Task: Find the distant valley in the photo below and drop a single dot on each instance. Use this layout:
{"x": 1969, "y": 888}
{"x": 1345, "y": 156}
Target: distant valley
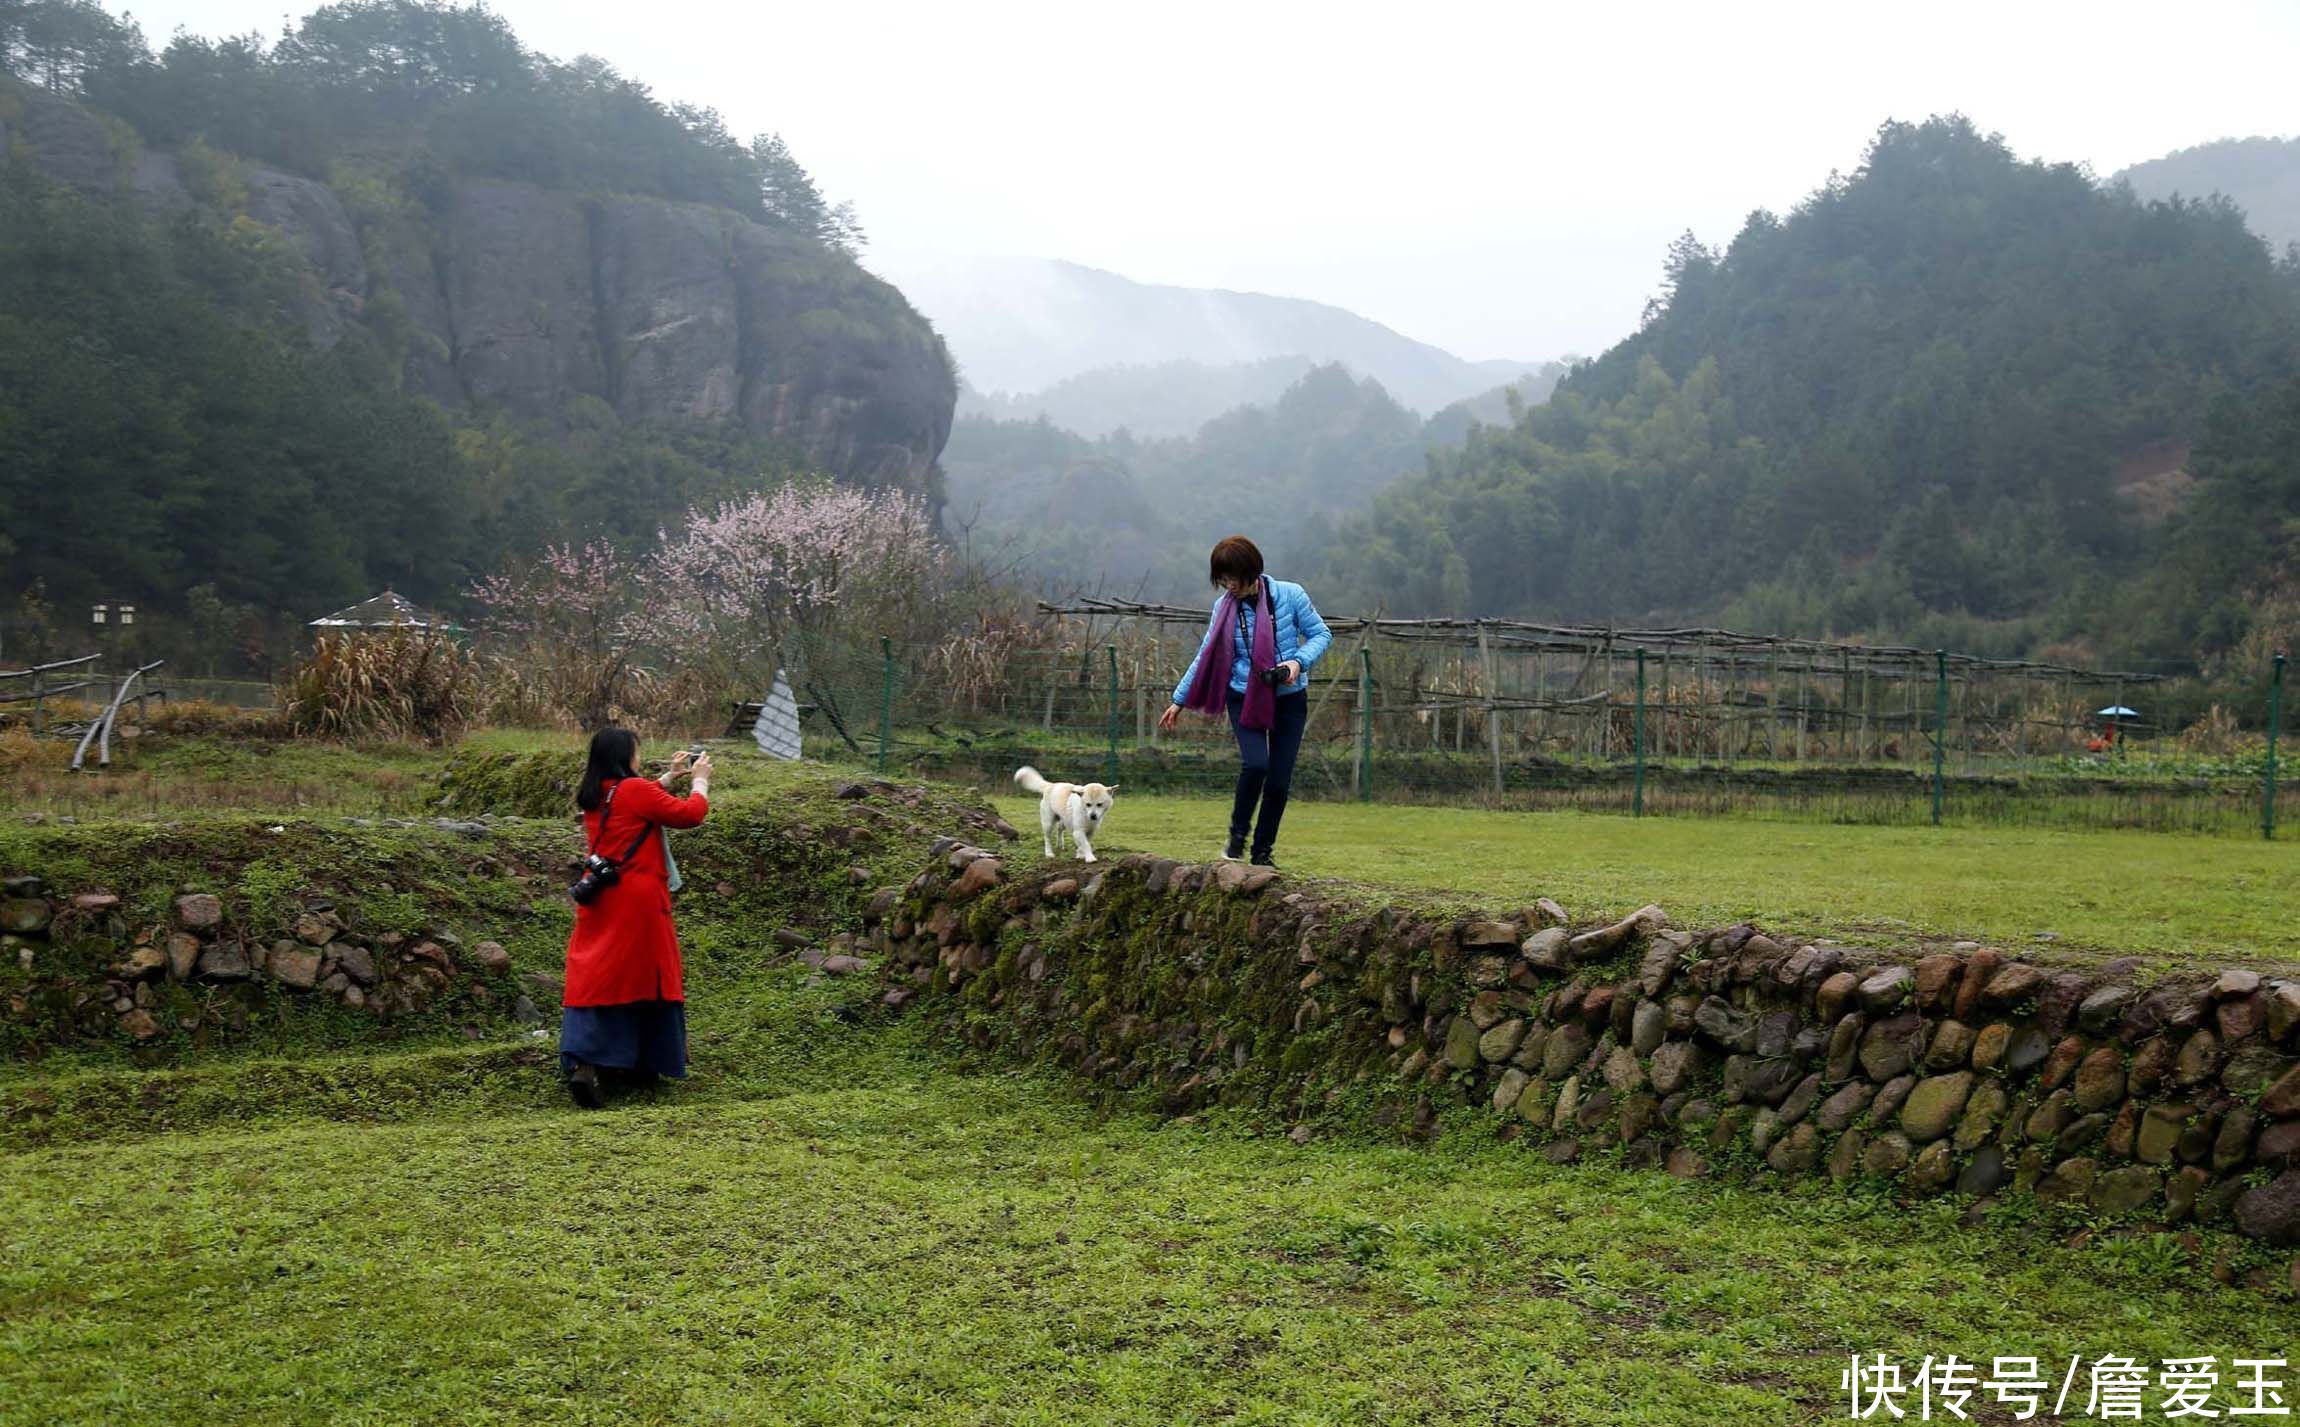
{"x": 1108, "y": 430}
{"x": 1093, "y": 351}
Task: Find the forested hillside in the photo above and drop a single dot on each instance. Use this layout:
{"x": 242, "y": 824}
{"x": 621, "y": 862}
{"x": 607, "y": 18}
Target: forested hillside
{"x": 1155, "y": 399}
{"x": 393, "y": 298}
{"x": 1136, "y": 517}
{"x": 2260, "y": 175}
{"x": 1948, "y": 396}
{"x": 1176, "y": 398}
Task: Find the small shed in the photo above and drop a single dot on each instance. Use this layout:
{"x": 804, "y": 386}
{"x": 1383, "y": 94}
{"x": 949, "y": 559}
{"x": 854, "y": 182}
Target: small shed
{"x": 389, "y": 610}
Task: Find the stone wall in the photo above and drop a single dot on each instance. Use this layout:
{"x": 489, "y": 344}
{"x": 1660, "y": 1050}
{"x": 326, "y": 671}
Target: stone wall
{"x": 96, "y": 961}
{"x": 156, "y": 944}
{"x": 1721, "y": 1052}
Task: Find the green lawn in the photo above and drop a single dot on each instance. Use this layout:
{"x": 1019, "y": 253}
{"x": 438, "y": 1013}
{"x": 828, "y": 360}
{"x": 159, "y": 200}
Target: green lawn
{"x": 884, "y": 1239}
{"x": 847, "y": 1219}
{"x": 2169, "y": 897}
{"x": 2096, "y": 893}
{"x": 174, "y": 775}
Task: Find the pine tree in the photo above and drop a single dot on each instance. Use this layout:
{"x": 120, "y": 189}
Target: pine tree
{"x": 792, "y": 200}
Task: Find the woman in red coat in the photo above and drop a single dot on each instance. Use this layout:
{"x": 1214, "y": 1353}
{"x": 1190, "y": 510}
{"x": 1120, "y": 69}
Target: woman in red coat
{"x": 624, "y": 1009}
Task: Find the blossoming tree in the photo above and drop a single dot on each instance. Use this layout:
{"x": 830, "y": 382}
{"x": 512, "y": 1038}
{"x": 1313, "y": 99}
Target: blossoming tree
{"x": 738, "y": 580}
{"x": 580, "y": 615}
{"x": 717, "y": 599}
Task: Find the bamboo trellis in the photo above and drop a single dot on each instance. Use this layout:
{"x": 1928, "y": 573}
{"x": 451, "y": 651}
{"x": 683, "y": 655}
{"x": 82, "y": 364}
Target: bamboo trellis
{"x": 1563, "y": 692}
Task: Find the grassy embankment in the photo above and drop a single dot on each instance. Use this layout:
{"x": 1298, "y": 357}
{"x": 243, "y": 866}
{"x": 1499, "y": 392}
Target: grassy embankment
{"x": 175, "y": 775}
{"x": 841, "y": 1223}
{"x": 2052, "y": 894}
{"x": 2094, "y": 894}
{"x": 842, "y": 1220}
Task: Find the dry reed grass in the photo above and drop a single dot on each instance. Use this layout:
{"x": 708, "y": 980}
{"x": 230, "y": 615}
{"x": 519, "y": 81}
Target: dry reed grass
{"x": 395, "y": 684}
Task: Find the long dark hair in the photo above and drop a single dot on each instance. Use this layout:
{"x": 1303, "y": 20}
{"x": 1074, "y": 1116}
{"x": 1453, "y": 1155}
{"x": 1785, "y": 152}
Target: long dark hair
{"x": 614, "y": 749}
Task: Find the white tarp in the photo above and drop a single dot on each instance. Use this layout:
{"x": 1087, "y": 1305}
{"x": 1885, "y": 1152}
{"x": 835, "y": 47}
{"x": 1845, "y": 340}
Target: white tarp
{"x": 777, "y": 731}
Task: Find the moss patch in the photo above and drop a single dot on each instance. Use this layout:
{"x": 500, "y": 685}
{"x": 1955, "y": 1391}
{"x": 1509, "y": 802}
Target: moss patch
{"x": 783, "y": 850}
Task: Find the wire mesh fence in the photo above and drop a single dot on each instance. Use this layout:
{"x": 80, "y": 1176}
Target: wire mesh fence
{"x": 1642, "y": 722}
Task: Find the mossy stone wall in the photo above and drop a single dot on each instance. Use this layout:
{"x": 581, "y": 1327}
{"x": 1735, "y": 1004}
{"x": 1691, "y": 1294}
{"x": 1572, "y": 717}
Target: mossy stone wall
{"x": 1699, "y": 1052}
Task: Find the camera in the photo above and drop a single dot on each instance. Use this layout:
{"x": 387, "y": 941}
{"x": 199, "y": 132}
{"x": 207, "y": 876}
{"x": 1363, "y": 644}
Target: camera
{"x": 599, "y": 873}
{"x": 1275, "y": 678}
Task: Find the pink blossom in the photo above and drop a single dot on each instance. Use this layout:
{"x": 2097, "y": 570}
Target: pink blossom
{"x": 749, "y": 571}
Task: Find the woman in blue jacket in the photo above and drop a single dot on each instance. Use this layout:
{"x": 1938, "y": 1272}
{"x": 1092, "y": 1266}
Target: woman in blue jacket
{"x": 1265, "y": 635}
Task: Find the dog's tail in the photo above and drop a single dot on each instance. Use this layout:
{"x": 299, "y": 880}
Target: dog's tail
{"x": 1028, "y": 777}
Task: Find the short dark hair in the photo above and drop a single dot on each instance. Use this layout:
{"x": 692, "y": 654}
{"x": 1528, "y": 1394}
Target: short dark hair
{"x": 1234, "y": 558}
{"x": 613, "y": 751}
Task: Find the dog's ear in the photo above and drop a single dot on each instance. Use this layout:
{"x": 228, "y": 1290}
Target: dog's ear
{"x": 1110, "y": 787}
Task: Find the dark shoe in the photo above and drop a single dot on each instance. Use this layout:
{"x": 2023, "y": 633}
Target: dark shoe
{"x": 583, "y": 1084}
{"x": 1262, "y": 859}
{"x": 1235, "y": 849}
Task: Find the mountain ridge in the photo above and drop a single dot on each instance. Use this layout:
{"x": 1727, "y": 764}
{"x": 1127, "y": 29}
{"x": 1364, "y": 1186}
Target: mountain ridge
{"x": 2260, "y": 174}
{"x": 1019, "y": 325}
{"x": 1899, "y": 408}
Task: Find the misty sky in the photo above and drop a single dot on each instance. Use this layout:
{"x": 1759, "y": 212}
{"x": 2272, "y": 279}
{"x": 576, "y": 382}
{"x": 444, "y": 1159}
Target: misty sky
{"x": 1499, "y": 179}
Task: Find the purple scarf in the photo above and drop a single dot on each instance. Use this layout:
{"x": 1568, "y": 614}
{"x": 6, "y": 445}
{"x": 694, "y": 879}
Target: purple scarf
{"x": 1210, "y": 690}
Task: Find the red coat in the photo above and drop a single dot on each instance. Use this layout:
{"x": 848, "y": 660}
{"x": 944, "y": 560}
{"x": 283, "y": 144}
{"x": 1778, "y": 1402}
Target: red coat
{"x": 624, "y": 947}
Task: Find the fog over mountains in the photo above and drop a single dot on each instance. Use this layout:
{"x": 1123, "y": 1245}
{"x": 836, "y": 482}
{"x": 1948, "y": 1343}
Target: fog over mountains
{"x": 1094, "y": 351}
{"x": 1019, "y": 326}
{"x": 2260, "y": 175}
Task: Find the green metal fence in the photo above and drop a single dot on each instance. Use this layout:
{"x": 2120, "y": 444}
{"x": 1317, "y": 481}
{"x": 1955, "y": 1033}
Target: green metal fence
{"x": 1639, "y": 722}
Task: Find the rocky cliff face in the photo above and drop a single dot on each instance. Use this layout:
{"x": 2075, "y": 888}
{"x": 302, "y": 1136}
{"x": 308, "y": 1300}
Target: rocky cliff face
{"x": 525, "y": 299}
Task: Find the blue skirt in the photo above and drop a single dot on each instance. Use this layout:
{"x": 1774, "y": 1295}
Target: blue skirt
{"x": 642, "y": 1036}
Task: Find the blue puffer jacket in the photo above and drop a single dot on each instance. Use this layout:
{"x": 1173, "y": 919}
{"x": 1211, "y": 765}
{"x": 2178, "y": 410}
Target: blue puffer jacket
{"x": 1300, "y": 635}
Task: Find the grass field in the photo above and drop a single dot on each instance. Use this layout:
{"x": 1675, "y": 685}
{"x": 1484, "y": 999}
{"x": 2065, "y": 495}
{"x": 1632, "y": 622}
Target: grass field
{"x": 2093, "y": 893}
{"x": 171, "y": 775}
{"x": 2097, "y": 894}
{"x": 2071, "y": 894}
{"x": 836, "y": 1224}
{"x": 843, "y": 1219}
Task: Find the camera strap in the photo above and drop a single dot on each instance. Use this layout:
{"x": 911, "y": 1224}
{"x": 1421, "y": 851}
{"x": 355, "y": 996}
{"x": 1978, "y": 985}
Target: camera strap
{"x": 606, "y": 809}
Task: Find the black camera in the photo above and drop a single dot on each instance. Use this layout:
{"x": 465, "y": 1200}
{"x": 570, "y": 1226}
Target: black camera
{"x": 1275, "y": 678}
{"x": 599, "y": 873}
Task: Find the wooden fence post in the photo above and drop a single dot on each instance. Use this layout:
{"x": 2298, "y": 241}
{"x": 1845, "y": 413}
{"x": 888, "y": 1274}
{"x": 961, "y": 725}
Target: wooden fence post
{"x": 1492, "y": 709}
{"x": 1773, "y": 706}
{"x": 1801, "y": 668}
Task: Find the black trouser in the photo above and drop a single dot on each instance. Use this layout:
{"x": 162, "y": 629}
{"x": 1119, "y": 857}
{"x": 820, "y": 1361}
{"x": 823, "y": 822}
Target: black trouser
{"x": 1266, "y": 768}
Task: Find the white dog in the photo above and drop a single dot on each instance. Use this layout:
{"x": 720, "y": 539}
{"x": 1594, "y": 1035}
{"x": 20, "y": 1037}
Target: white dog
{"x": 1073, "y": 808}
